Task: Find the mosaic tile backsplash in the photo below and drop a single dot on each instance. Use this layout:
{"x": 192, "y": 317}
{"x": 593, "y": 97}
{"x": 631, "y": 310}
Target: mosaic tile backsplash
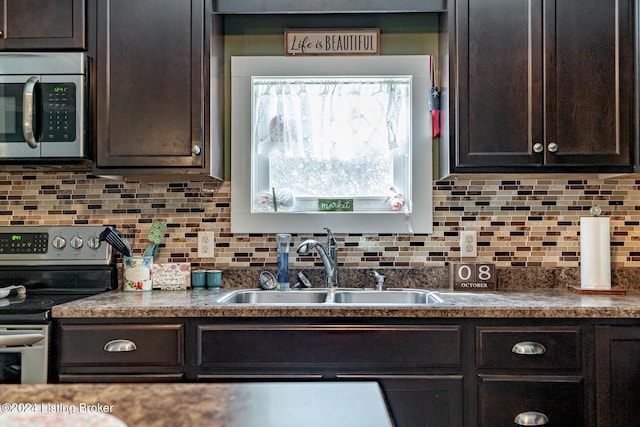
{"x": 520, "y": 222}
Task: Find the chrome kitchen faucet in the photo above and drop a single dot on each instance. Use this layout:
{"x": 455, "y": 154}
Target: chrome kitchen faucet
{"x": 329, "y": 256}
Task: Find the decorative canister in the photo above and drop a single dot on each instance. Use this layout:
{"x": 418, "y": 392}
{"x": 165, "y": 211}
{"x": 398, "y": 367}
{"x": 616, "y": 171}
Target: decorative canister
{"x": 137, "y": 273}
{"x": 198, "y": 279}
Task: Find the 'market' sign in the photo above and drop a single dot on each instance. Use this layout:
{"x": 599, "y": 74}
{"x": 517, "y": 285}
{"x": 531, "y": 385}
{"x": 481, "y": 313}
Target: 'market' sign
{"x": 361, "y": 41}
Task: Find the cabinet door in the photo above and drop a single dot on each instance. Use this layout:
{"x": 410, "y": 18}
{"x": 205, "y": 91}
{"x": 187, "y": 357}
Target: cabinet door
{"x": 421, "y": 400}
{"x": 151, "y": 87}
{"x": 618, "y": 376}
{"x": 42, "y": 24}
{"x": 589, "y": 87}
{"x": 389, "y": 354}
{"x": 500, "y": 87}
{"x": 544, "y": 85}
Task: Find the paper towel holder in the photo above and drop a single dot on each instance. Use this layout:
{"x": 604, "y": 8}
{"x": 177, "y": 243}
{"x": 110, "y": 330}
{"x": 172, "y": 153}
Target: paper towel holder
{"x": 595, "y": 211}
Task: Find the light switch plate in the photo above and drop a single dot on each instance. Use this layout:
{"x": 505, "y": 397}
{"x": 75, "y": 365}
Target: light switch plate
{"x": 468, "y": 243}
{"x": 206, "y": 244}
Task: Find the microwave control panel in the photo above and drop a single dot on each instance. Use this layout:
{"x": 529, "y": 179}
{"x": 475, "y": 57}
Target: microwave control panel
{"x": 58, "y": 112}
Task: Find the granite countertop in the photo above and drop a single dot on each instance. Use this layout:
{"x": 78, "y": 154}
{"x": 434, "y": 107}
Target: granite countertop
{"x": 282, "y": 404}
{"x": 530, "y": 303}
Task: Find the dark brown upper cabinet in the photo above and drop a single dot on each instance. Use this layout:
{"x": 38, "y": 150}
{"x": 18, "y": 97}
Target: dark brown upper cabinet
{"x": 544, "y": 86}
{"x": 153, "y": 75}
{"x": 42, "y": 25}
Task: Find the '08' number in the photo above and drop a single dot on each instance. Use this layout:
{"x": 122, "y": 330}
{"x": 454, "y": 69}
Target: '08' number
{"x": 473, "y": 272}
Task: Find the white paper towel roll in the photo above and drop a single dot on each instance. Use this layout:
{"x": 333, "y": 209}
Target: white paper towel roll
{"x": 595, "y": 253}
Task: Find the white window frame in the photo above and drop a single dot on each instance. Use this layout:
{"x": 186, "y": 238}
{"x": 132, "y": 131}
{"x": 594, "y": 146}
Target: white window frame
{"x": 244, "y": 221}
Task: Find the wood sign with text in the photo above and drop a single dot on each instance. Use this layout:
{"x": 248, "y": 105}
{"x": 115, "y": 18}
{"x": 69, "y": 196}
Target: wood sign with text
{"x": 473, "y": 276}
{"x": 172, "y": 276}
{"x": 350, "y": 41}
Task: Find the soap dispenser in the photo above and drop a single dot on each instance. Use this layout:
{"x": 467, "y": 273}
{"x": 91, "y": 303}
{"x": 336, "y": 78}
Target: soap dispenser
{"x": 282, "y": 277}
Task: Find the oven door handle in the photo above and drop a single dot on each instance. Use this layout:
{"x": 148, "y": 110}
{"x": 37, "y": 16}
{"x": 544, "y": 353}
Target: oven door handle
{"x": 4, "y": 292}
{"x": 119, "y": 346}
{"x": 19, "y": 340}
{"x": 27, "y": 114}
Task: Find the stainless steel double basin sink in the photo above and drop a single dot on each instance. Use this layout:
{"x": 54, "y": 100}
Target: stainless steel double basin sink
{"x": 342, "y": 296}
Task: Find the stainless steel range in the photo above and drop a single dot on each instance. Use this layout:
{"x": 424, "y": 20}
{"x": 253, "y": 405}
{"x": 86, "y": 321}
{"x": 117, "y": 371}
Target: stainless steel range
{"x": 42, "y": 266}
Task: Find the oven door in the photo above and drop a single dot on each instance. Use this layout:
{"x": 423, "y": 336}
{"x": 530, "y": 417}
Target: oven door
{"x": 24, "y": 354}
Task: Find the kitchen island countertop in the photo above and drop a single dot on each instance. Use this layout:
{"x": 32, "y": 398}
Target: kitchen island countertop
{"x": 281, "y": 404}
{"x": 530, "y": 303}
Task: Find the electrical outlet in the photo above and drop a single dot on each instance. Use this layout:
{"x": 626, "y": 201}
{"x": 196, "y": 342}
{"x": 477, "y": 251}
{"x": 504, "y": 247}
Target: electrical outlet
{"x": 468, "y": 243}
{"x": 206, "y": 244}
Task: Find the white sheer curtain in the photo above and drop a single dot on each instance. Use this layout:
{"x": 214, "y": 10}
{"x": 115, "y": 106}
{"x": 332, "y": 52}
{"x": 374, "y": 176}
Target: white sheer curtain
{"x": 328, "y": 119}
{"x": 331, "y": 137}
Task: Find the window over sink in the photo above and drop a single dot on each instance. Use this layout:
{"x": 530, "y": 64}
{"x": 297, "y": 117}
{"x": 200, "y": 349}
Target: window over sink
{"x": 342, "y": 142}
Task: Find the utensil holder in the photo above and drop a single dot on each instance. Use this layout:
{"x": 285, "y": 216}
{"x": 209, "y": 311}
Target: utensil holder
{"x": 137, "y": 273}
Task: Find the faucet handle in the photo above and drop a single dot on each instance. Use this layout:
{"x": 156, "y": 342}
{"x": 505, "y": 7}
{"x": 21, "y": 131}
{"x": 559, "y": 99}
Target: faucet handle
{"x": 330, "y": 239}
{"x": 304, "y": 282}
{"x": 379, "y": 280}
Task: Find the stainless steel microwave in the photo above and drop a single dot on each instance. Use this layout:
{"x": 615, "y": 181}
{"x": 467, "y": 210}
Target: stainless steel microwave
{"x": 43, "y": 106}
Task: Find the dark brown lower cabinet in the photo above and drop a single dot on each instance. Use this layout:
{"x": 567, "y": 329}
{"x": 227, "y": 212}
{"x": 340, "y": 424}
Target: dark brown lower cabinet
{"x": 558, "y": 399}
{"x": 618, "y": 375}
{"x": 530, "y": 375}
{"x": 421, "y": 400}
{"x": 419, "y": 367}
{"x": 433, "y": 372}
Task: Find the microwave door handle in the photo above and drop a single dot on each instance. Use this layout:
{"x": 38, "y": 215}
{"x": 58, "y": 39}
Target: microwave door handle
{"x": 27, "y": 108}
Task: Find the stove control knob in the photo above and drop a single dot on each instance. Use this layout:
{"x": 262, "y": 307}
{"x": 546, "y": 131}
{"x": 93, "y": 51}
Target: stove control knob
{"x": 59, "y": 242}
{"x": 76, "y": 242}
{"x": 93, "y": 242}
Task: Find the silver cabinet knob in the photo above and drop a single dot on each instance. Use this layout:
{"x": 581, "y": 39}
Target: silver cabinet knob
{"x": 531, "y": 418}
{"x": 538, "y": 147}
{"x": 528, "y": 348}
{"x": 196, "y": 150}
{"x": 553, "y": 147}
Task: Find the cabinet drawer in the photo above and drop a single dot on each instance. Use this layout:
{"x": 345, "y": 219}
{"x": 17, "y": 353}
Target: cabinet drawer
{"x": 559, "y": 398}
{"x": 528, "y": 347}
{"x": 300, "y": 347}
{"x": 124, "y": 344}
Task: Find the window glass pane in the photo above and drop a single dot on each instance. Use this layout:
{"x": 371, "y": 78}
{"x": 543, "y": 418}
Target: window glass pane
{"x": 330, "y": 137}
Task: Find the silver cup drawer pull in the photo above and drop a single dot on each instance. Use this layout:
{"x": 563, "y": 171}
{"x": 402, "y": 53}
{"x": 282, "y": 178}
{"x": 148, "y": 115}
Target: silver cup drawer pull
{"x": 531, "y": 418}
{"x": 528, "y": 348}
{"x": 120, "y": 346}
